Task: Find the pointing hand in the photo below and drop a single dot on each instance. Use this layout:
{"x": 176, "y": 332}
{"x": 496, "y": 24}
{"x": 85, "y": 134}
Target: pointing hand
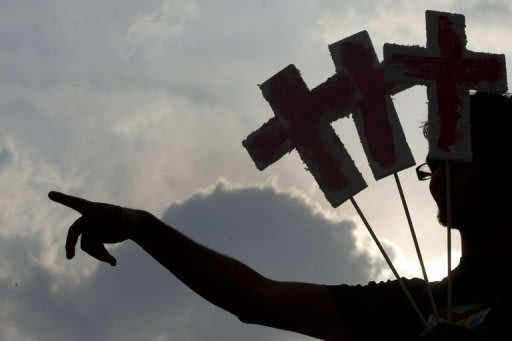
{"x": 100, "y": 223}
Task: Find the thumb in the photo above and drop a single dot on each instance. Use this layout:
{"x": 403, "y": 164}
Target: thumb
{"x": 97, "y": 250}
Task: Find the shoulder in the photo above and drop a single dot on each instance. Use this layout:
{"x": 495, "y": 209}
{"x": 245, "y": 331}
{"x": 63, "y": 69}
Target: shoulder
{"x": 383, "y": 290}
{"x": 382, "y": 306}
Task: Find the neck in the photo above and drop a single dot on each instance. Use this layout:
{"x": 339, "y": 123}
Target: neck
{"x": 491, "y": 242}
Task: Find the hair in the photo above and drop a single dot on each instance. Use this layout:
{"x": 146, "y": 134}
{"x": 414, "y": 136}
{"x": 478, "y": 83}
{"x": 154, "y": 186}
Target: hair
{"x": 491, "y": 124}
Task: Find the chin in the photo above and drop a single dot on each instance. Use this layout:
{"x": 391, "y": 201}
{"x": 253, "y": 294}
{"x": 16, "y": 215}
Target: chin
{"x": 457, "y": 219}
{"x": 442, "y": 216}
{"x": 462, "y": 222}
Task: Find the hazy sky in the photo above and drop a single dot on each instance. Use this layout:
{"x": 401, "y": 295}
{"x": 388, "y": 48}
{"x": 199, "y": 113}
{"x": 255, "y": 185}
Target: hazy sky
{"x": 145, "y": 104}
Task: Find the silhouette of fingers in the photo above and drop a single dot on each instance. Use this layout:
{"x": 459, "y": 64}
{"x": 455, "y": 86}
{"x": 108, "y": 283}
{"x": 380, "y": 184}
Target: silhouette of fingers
{"x": 74, "y": 232}
{"x": 78, "y": 204}
{"x": 96, "y": 249}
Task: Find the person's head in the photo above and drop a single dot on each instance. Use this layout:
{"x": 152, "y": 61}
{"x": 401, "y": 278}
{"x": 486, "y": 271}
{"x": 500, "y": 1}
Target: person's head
{"x": 479, "y": 189}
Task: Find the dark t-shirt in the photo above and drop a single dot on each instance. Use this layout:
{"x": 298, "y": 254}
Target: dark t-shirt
{"x": 381, "y": 311}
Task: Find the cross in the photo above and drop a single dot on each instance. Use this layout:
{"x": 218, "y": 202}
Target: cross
{"x": 302, "y": 122}
{"x": 375, "y": 116}
{"x": 449, "y": 71}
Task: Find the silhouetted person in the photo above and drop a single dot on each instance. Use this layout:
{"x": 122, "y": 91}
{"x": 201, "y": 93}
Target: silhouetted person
{"x": 480, "y": 211}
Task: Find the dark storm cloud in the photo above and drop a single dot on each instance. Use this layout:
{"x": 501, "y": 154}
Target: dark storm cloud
{"x": 299, "y": 245}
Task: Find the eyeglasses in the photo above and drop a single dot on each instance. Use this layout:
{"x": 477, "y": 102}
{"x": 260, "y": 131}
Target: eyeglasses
{"x": 425, "y": 170}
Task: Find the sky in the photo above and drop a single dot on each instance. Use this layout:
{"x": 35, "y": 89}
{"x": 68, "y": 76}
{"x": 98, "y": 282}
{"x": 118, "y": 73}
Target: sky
{"x": 145, "y": 104}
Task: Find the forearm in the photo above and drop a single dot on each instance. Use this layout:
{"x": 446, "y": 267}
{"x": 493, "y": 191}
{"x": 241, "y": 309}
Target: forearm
{"x": 219, "y": 279}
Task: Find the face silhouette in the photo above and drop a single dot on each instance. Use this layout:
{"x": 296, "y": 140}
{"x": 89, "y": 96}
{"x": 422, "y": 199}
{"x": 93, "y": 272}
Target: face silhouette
{"x": 473, "y": 193}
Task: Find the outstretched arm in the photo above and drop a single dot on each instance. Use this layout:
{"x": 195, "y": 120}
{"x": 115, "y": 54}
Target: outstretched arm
{"x": 300, "y": 307}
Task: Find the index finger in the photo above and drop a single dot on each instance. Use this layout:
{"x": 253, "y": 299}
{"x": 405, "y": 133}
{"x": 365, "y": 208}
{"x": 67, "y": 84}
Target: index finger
{"x": 70, "y": 201}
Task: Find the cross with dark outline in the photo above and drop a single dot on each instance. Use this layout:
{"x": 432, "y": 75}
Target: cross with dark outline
{"x": 303, "y": 121}
{"x": 375, "y": 116}
{"x": 449, "y": 71}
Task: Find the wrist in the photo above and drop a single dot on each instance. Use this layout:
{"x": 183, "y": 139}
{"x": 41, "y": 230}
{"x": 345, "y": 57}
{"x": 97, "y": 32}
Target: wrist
{"x": 139, "y": 221}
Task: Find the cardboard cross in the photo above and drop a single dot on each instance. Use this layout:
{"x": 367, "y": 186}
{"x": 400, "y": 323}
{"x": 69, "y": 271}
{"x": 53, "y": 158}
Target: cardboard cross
{"x": 302, "y": 121}
{"x": 375, "y": 116}
{"x": 449, "y": 71}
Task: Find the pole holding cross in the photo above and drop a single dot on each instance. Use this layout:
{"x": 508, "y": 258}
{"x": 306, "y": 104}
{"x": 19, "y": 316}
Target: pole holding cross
{"x": 303, "y": 121}
{"x": 449, "y": 71}
{"x": 377, "y": 121}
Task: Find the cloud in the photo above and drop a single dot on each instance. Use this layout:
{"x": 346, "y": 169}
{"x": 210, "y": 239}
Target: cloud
{"x": 305, "y": 235}
{"x": 157, "y": 29}
{"x": 487, "y": 22}
{"x": 6, "y": 153}
{"x": 142, "y": 103}
{"x": 277, "y": 233}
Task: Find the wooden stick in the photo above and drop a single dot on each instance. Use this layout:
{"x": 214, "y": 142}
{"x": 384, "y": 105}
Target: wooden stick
{"x": 400, "y": 282}
{"x": 418, "y": 251}
{"x": 449, "y": 240}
